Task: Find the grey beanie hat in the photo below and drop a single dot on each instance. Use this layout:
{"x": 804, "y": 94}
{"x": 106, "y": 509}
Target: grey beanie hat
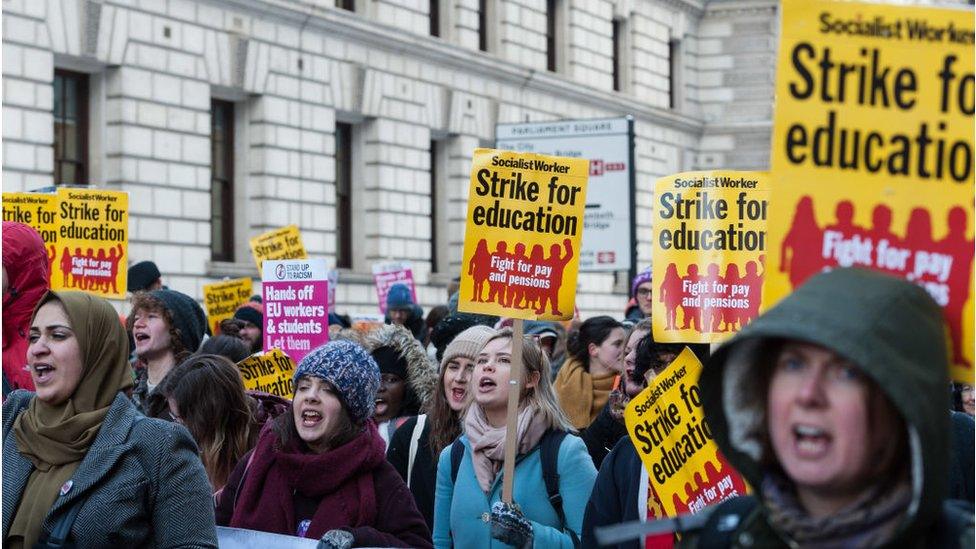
{"x": 350, "y": 369}
{"x": 467, "y": 344}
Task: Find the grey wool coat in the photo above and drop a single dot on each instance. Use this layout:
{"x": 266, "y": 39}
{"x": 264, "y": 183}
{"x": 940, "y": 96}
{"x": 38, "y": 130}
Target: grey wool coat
{"x": 142, "y": 483}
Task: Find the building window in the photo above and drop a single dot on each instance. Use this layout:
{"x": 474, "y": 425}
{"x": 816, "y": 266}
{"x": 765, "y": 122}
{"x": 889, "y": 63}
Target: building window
{"x": 483, "y": 25}
{"x": 221, "y": 180}
{"x": 673, "y": 72}
{"x": 433, "y": 206}
{"x": 349, "y": 5}
{"x": 554, "y": 20}
{"x": 435, "y": 18}
{"x": 617, "y": 47}
{"x": 343, "y": 164}
{"x": 70, "y": 128}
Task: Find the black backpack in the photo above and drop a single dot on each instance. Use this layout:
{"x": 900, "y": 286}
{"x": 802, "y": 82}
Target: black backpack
{"x": 549, "y": 449}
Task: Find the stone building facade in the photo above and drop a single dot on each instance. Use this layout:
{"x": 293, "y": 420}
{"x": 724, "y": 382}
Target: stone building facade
{"x": 305, "y": 111}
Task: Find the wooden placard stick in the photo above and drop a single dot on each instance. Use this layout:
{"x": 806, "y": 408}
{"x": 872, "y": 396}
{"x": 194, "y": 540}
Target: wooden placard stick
{"x": 511, "y": 420}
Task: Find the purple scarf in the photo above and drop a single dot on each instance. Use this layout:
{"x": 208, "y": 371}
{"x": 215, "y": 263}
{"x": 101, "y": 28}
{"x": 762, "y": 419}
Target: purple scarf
{"x": 341, "y": 480}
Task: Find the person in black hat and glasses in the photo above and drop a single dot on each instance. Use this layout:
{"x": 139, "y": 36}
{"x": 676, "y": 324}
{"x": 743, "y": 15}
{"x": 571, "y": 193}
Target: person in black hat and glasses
{"x": 250, "y": 318}
{"x": 145, "y": 277}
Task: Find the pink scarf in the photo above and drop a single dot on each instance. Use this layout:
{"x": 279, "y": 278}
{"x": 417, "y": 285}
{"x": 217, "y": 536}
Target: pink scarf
{"x": 488, "y": 443}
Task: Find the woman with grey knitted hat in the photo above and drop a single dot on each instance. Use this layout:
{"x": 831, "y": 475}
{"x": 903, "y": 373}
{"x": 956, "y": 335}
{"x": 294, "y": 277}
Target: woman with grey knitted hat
{"x": 318, "y": 471}
{"x": 417, "y": 443}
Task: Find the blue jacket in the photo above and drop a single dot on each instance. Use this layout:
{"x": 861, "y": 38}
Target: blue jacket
{"x": 461, "y": 510}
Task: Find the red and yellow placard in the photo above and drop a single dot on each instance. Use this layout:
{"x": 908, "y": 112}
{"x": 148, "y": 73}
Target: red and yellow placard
{"x": 872, "y": 154}
{"x": 523, "y": 234}
{"x": 666, "y": 424}
{"x": 222, "y": 298}
{"x": 283, "y": 243}
{"x": 708, "y": 253}
{"x": 269, "y": 373}
{"x": 86, "y": 232}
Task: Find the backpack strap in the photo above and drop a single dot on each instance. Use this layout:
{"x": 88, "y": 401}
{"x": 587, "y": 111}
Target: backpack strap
{"x": 956, "y": 524}
{"x": 457, "y": 453}
{"x": 549, "y": 450}
{"x": 418, "y": 429}
{"x": 62, "y": 528}
{"x": 240, "y": 484}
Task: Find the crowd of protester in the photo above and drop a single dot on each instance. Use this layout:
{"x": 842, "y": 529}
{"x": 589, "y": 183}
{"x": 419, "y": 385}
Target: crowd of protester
{"x": 835, "y": 406}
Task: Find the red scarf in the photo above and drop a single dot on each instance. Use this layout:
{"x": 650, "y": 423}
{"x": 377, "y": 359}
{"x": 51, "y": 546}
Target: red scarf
{"x": 341, "y": 479}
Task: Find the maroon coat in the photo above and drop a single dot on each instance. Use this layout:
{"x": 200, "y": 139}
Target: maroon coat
{"x": 394, "y": 522}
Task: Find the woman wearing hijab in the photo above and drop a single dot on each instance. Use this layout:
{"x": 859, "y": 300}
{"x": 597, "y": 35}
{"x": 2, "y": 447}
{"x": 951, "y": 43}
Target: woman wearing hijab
{"x": 77, "y": 456}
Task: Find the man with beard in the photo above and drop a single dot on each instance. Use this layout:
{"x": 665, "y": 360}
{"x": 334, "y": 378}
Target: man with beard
{"x": 251, "y": 316}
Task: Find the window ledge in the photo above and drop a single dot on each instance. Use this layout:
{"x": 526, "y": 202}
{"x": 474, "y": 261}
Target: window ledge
{"x": 442, "y": 278}
{"x": 221, "y": 269}
{"x": 354, "y": 277}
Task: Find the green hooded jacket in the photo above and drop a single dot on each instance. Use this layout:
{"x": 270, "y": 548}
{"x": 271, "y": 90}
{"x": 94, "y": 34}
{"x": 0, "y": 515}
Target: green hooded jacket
{"x": 894, "y": 332}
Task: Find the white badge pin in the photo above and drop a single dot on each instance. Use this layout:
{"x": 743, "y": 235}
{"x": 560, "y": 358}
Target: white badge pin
{"x": 66, "y": 487}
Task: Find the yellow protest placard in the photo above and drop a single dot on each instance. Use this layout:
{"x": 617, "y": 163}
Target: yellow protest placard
{"x": 283, "y": 243}
{"x": 93, "y": 239}
{"x": 223, "y": 298}
{"x": 708, "y": 253}
{"x": 872, "y": 152}
{"x": 666, "y": 425}
{"x": 270, "y": 373}
{"x": 40, "y": 211}
{"x": 523, "y": 233}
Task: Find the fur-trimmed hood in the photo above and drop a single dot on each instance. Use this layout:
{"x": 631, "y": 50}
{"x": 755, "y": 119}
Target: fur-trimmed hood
{"x": 891, "y": 329}
{"x": 421, "y": 372}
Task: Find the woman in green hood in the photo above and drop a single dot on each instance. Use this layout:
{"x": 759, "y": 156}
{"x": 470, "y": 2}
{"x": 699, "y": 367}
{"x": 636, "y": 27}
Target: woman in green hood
{"x": 833, "y": 406}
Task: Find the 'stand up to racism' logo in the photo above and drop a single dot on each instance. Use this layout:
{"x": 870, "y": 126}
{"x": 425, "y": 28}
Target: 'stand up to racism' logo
{"x": 280, "y": 271}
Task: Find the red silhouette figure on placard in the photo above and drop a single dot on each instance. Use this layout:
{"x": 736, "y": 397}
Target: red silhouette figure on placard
{"x": 479, "y": 268}
{"x": 731, "y": 315}
{"x": 517, "y": 292}
{"x": 718, "y": 484}
{"x": 99, "y": 282}
{"x": 692, "y": 314}
{"x": 533, "y": 294}
{"x": 711, "y": 316}
{"x": 918, "y": 232}
{"x": 844, "y": 212}
{"x": 889, "y": 255}
{"x": 88, "y": 282}
{"x": 800, "y": 255}
{"x": 670, "y": 295}
{"x": 753, "y": 279}
{"x": 848, "y": 231}
{"x": 115, "y": 258}
{"x": 66, "y": 278}
{"x": 556, "y": 265}
{"x": 960, "y": 248}
{"x": 496, "y": 288}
